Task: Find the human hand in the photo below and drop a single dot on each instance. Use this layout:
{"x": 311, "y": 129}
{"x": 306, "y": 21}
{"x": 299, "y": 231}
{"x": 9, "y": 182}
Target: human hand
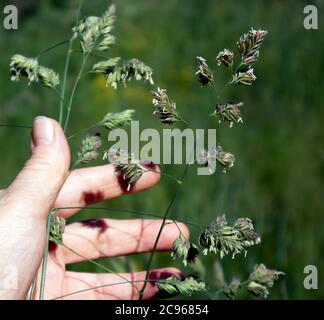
{"x": 38, "y": 188}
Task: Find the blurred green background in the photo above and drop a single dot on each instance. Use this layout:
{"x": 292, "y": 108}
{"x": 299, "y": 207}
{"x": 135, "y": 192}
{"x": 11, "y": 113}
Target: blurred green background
{"x": 278, "y": 177}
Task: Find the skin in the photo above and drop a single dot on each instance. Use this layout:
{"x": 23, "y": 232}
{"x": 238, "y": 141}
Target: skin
{"x": 40, "y": 186}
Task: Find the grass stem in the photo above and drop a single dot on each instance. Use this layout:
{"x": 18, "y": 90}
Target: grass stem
{"x": 140, "y": 213}
{"x": 66, "y": 69}
{"x": 67, "y": 64}
{"x": 84, "y": 61}
{"x": 52, "y": 47}
{"x": 96, "y": 263}
{"x": 160, "y": 232}
{"x": 106, "y": 285}
{"x": 82, "y": 131}
{"x": 44, "y": 264}
{"x": 32, "y": 289}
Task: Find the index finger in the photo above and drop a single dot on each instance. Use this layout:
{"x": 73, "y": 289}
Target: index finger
{"x": 96, "y": 184}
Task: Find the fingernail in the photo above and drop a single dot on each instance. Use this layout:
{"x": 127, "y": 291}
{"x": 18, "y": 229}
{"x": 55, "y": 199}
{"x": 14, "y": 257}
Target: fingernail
{"x": 43, "y": 131}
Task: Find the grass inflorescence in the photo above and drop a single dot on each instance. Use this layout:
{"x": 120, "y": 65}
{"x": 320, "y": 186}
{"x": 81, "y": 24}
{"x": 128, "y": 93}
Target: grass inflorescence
{"x": 95, "y": 34}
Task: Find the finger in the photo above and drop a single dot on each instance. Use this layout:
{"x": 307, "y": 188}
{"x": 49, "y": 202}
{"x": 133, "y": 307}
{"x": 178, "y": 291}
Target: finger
{"x": 36, "y": 187}
{"x": 115, "y": 287}
{"x": 108, "y": 238}
{"x": 24, "y": 206}
{"x": 92, "y": 185}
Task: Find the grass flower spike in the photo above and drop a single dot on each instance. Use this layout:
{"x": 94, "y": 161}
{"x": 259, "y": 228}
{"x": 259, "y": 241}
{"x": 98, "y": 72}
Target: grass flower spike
{"x": 187, "y": 286}
{"x": 106, "y": 67}
{"x": 257, "y": 289}
{"x": 226, "y": 58}
{"x": 184, "y": 249}
{"x": 262, "y": 275}
{"x": 57, "y": 224}
{"x": 226, "y": 159}
{"x": 244, "y": 76}
{"x": 84, "y": 25}
{"x": 115, "y": 75}
{"x": 110, "y": 70}
{"x": 232, "y": 289}
{"x": 208, "y": 158}
{"x": 258, "y": 283}
{"x": 250, "y": 44}
{"x": 106, "y": 24}
{"x": 125, "y": 163}
{"x": 223, "y": 239}
{"x": 261, "y": 279}
{"x": 21, "y": 66}
{"x": 165, "y": 108}
{"x": 117, "y": 120}
{"x": 229, "y": 112}
{"x": 89, "y": 149}
{"x": 205, "y": 74}
{"x": 245, "y": 230}
{"x": 48, "y": 77}
{"x": 95, "y": 32}
{"x": 136, "y": 69}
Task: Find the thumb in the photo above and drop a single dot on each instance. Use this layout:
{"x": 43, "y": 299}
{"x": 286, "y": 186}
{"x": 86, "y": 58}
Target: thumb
{"x": 25, "y": 205}
{"x": 36, "y": 187}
